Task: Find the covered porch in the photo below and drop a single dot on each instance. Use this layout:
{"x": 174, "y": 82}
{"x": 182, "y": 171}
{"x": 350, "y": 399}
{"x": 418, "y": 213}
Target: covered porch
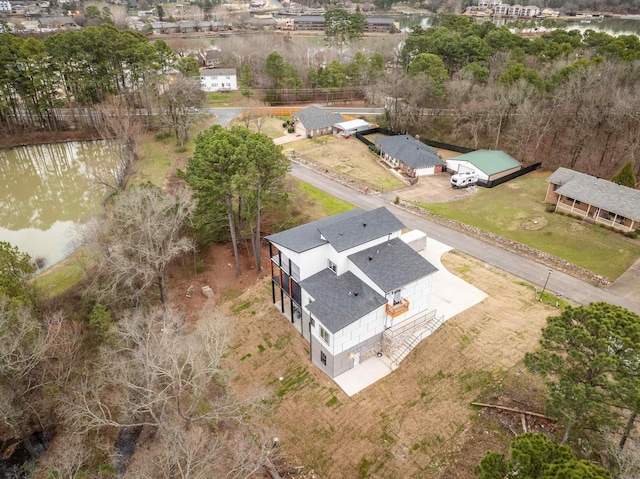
{"x": 595, "y": 214}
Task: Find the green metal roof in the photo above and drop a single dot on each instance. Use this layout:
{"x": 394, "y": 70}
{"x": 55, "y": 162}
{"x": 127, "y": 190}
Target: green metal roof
{"x": 489, "y": 162}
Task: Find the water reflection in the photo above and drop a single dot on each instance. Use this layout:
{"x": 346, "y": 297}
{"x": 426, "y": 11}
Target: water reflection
{"x": 47, "y": 190}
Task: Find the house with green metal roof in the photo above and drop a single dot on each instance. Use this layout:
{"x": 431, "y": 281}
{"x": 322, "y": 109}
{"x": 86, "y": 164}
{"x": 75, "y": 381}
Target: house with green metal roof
{"x": 489, "y": 165}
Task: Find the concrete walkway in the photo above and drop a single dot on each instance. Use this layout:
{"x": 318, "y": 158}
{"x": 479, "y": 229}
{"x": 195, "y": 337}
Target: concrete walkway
{"x": 450, "y": 295}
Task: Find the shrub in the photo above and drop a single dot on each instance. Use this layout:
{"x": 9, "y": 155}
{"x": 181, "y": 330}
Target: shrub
{"x": 290, "y": 129}
{"x": 285, "y": 124}
{"x": 550, "y": 208}
{"x": 631, "y": 234}
{"x": 396, "y": 201}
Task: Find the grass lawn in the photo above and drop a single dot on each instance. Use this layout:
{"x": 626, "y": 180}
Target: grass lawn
{"x": 60, "y": 277}
{"x": 272, "y": 126}
{"x": 226, "y": 98}
{"x": 516, "y": 210}
{"x": 350, "y": 158}
{"x": 158, "y": 156}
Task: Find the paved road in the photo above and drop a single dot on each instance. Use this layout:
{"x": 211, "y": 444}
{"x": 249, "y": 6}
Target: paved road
{"x": 226, "y": 114}
{"x": 536, "y": 273}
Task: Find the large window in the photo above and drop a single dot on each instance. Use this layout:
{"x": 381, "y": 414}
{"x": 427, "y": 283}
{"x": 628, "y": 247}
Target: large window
{"x": 324, "y": 334}
{"x": 332, "y": 266}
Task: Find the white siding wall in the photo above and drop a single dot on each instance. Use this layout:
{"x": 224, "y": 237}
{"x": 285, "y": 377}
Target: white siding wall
{"x": 418, "y": 294}
{"x": 218, "y": 82}
{"x": 359, "y": 331}
{"x": 342, "y": 260}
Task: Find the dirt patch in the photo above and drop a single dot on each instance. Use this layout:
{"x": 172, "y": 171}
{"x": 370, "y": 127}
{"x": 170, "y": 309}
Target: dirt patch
{"x": 534, "y": 223}
{"x": 433, "y": 189}
{"x": 214, "y": 267}
{"x": 416, "y": 422}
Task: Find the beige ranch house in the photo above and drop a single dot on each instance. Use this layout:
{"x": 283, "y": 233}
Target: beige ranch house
{"x": 594, "y": 199}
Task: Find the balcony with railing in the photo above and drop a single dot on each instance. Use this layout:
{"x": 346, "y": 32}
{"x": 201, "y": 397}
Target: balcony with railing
{"x": 397, "y": 309}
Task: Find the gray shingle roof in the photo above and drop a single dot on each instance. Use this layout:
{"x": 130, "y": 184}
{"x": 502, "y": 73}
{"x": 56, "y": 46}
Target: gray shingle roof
{"x": 313, "y": 117}
{"x": 306, "y": 237}
{"x": 392, "y": 265}
{"x": 209, "y": 72}
{"x": 603, "y": 194}
{"x": 410, "y": 151}
{"x": 357, "y": 230}
{"x": 340, "y": 300}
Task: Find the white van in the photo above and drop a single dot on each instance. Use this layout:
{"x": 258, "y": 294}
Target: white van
{"x": 462, "y": 180}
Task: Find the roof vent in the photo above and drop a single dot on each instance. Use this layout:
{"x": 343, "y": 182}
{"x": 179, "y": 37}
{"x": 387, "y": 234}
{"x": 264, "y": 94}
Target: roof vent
{"x": 364, "y": 224}
{"x": 355, "y": 294}
{"x": 370, "y": 258}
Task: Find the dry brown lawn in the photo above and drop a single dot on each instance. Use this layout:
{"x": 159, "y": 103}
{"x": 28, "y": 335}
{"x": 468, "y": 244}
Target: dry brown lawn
{"x": 415, "y": 423}
{"x": 350, "y": 158}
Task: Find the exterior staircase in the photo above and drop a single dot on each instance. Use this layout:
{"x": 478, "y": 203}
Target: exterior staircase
{"x": 413, "y": 340}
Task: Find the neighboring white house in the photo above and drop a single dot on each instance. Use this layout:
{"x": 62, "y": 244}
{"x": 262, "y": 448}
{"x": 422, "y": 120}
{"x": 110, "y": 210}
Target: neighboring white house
{"x": 218, "y": 79}
{"x": 344, "y": 280}
{"x": 409, "y": 155}
{"x": 315, "y": 121}
{"x": 5, "y": 6}
{"x": 351, "y": 127}
{"x": 489, "y": 165}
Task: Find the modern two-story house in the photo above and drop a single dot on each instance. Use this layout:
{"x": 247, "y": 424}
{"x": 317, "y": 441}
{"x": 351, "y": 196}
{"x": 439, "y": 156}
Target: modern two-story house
{"x": 343, "y": 280}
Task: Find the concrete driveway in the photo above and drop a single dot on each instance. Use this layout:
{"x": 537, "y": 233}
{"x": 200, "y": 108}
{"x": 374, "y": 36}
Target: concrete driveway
{"x": 628, "y": 285}
{"x": 450, "y": 295}
{"x": 434, "y": 188}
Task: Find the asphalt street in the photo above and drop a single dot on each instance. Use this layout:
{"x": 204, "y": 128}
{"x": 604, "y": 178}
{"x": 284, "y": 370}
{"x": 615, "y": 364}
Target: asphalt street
{"x": 493, "y": 257}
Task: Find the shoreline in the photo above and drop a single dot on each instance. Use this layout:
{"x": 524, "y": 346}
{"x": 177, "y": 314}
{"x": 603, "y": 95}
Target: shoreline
{"x": 40, "y": 137}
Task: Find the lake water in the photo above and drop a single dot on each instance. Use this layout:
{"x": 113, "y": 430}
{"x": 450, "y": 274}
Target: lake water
{"x": 48, "y": 191}
{"x": 612, "y": 26}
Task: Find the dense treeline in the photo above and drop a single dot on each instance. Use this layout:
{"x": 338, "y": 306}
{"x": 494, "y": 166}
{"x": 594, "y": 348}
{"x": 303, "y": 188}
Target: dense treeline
{"x": 561, "y": 97}
{"x": 75, "y": 71}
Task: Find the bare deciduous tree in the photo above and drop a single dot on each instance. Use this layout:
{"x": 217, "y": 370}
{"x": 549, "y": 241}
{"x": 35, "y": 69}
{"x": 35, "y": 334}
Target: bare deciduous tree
{"x": 179, "y": 102}
{"x": 119, "y": 122}
{"x": 134, "y": 246}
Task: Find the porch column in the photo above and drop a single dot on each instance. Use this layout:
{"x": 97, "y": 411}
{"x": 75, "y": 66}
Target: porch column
{"x": 588, "y": 209}
{"x": 573, "y": 205}
{"x": 613, "y": 221}
{"x": 557, "y": 203}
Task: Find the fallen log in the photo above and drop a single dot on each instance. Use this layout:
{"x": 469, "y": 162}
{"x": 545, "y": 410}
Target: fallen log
{"x": 513, "y": 410}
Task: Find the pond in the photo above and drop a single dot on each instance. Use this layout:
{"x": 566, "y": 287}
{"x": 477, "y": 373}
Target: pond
{"x": 48, "y": 191}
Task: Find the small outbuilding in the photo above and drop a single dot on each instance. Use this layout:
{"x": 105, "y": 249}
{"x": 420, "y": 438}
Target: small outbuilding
{"x": 351, "y": 127}
{"x": 489, "y": 165}
{"x": 315, "y": 121}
